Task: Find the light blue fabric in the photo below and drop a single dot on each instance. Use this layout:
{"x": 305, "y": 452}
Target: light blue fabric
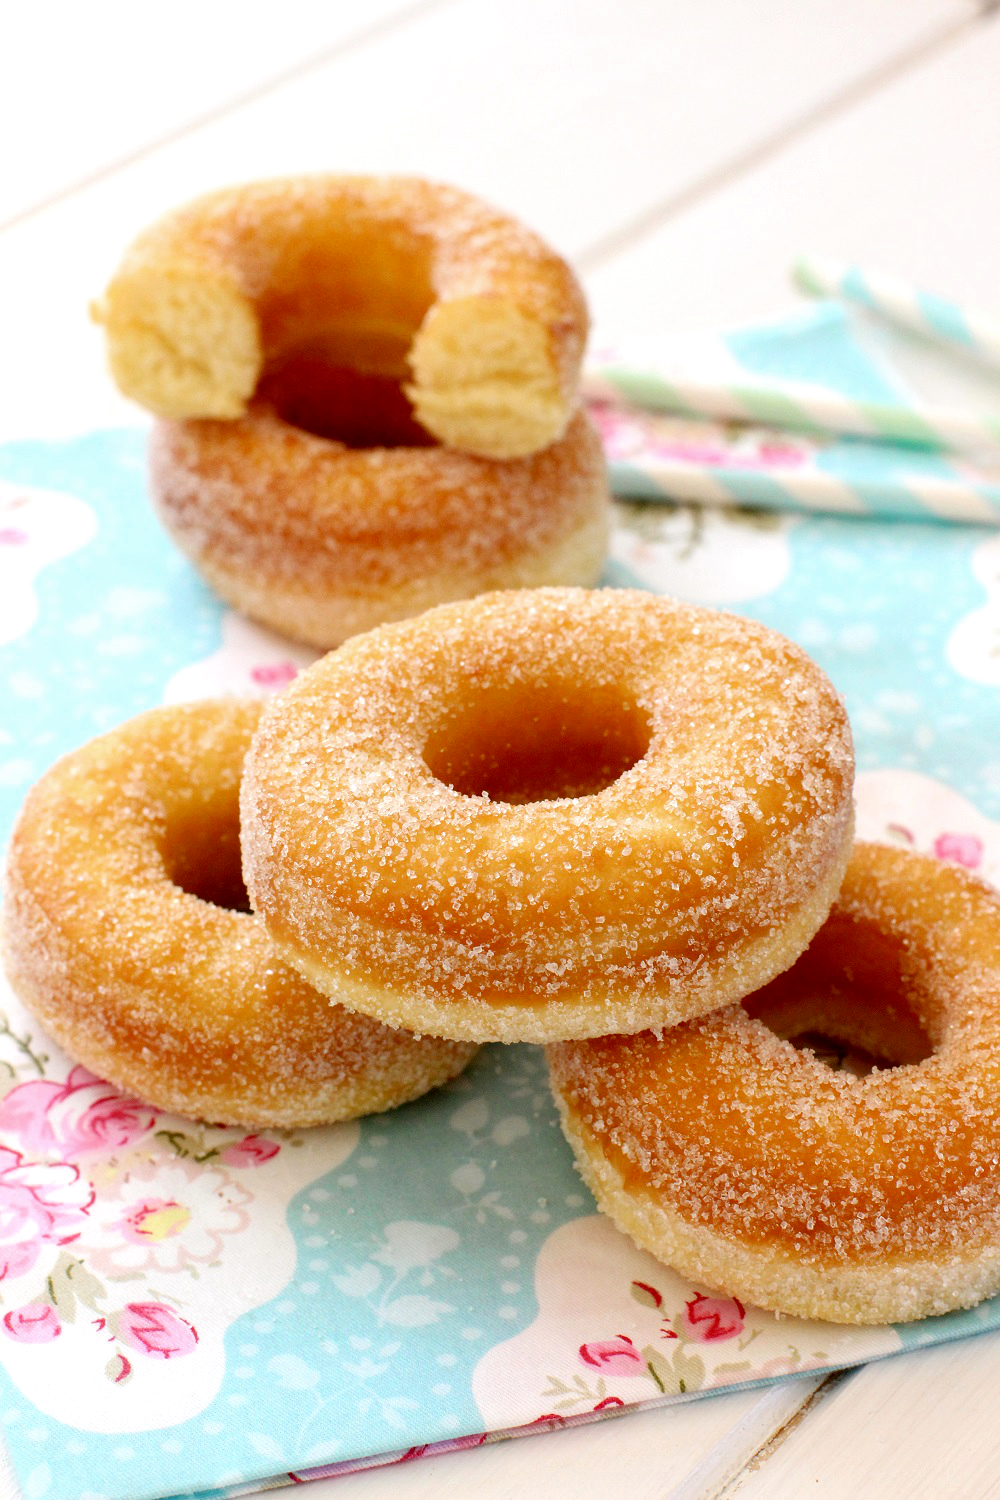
{"x": 873, "y": 601}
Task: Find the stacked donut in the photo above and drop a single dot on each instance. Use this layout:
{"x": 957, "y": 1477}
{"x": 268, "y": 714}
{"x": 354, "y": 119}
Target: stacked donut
{"x": 273, "y": 328}
{"x": 367, "y": 392}
{"x": 603, "y": 821}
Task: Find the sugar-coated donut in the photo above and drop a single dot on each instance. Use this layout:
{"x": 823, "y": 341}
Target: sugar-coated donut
{"x": 389, "y": 275}
{"x": 753, "y": 1168}
{"x": 123, "y": 933}
{"x": 321, "y": 541}
{"x": 549, "y": 813}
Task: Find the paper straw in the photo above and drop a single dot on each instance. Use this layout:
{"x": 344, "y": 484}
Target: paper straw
{"x": 910, "y": 497}
{"x": 796, "y": 405}
{"x": 664, "y": 457}
{"x": 961, "y": 329}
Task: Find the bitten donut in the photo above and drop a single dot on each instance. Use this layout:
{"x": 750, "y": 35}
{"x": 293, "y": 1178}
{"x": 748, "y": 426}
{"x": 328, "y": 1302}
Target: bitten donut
{"x": 549, "y": 813}
{"x": 392, "y": 276}
{"x": 320, "y": 540}
{"x": 753, "y": 1168}
{"x": 124, "y": 933}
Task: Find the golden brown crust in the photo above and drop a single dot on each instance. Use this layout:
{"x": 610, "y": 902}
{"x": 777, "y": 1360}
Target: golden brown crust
{"x": 668, "y": 819}
{"x": 392, "y": 275}
{"x": 322, "y": 541}
{"x": 169, "y": 995}
{"x": 747, "y": 1164}
{"x": 768, "y": 1275}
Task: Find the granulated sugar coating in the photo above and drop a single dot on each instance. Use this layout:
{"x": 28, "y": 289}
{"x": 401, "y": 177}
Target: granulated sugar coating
{"x": 749, "y": 1166}
{"x": 549, "y": 813}
{"x": 120, "y": 934}
{"x": 322, "y": 541}
{"x": 389, "y": 275}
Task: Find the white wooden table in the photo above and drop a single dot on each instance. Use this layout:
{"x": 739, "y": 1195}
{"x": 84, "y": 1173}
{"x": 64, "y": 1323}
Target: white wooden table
{"x": 681, "y": 155}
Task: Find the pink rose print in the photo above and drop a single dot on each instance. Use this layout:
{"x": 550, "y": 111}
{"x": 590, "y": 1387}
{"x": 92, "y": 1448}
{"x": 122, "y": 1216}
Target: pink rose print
{"x": 74, "y": 1118}
{"x": 617, "y": 1356}
{"x": 722, "y": 451}
{"x": 251, "y": 1151}
{"x": 41, "y": 1203}
{"x": 628, "y": 434}
{"x": 155, "y": 1331}
{"x": 446, "y": 1445}
{"x": 165, "y": 1216}
{"x": 350, "y": 1465}
{"x": 154, "y": 1219}
{"x": 709, "y": 454}
{"x": 782, "y": 453}
{"x": 712, "y": 1318}
{"x": 649, "y": 1293}
{"x": 275, "y": 674}
{"x": 963, "y": 848}
{"x": 34, "y": 1323}
{"x": 18, "y": 1258}
{"x": 621, "y": 433}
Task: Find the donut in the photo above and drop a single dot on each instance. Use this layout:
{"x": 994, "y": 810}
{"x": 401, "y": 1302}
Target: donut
{"x": 321, "y": 540}
{"x": 549, "y": 813}
{"x": 126, "y": 932}
{"x": 751, "y": 1167}
{"x": 392, "y": 276}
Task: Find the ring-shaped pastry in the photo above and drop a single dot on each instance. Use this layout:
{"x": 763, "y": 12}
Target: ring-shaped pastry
{"x": 748, "y": 1165}
{"x": 392, "y": 276}
{"x": 549, "y": 813}
{"x": 321, "y": 541}
{"x": 123, "y": 934}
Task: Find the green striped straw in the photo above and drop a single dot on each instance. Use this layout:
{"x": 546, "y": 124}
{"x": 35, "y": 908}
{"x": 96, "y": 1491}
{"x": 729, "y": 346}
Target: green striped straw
{"x": 796, "y": 405}
{"x": 962, "y": 329}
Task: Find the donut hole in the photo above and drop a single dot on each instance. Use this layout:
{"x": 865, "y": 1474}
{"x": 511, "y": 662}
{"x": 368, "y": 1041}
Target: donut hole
{"x": 535, "y": 742}
{"x": 353, "y": 291}
{"x": 850, "y": 1001}
{"x": 201, "y": 854}
{"x": 341, "y": 404}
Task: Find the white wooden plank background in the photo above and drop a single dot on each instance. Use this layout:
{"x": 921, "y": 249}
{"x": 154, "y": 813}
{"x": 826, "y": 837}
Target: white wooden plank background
{"x": 682, "y": 154}
{"x": 580, "y": 115}
{"x": 86, "y": 87}
{"x": 923, "y": 1426}
{"x": 905, "y": 178}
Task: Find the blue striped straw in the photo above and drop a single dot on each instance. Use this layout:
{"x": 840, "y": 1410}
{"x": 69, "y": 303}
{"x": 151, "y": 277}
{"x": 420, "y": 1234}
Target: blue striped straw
{"x": 796, "y": 405}
{"x": 961, "y": 329}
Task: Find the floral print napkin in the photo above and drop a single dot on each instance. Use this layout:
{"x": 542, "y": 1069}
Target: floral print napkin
{"x": 189, "y": 1309}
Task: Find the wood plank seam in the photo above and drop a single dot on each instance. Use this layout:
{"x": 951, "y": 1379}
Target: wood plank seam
{"x": 770, "y": 1446}
{"x": 775, "y": 1410}
{"x": 622, "y": 239}
{"x": 363, "y": 37}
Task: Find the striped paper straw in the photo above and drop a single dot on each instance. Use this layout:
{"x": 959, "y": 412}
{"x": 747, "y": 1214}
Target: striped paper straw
{"x": 962, "y": 329}
{"x": 653, "y": 456}
{"x": 796, "y": 405}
